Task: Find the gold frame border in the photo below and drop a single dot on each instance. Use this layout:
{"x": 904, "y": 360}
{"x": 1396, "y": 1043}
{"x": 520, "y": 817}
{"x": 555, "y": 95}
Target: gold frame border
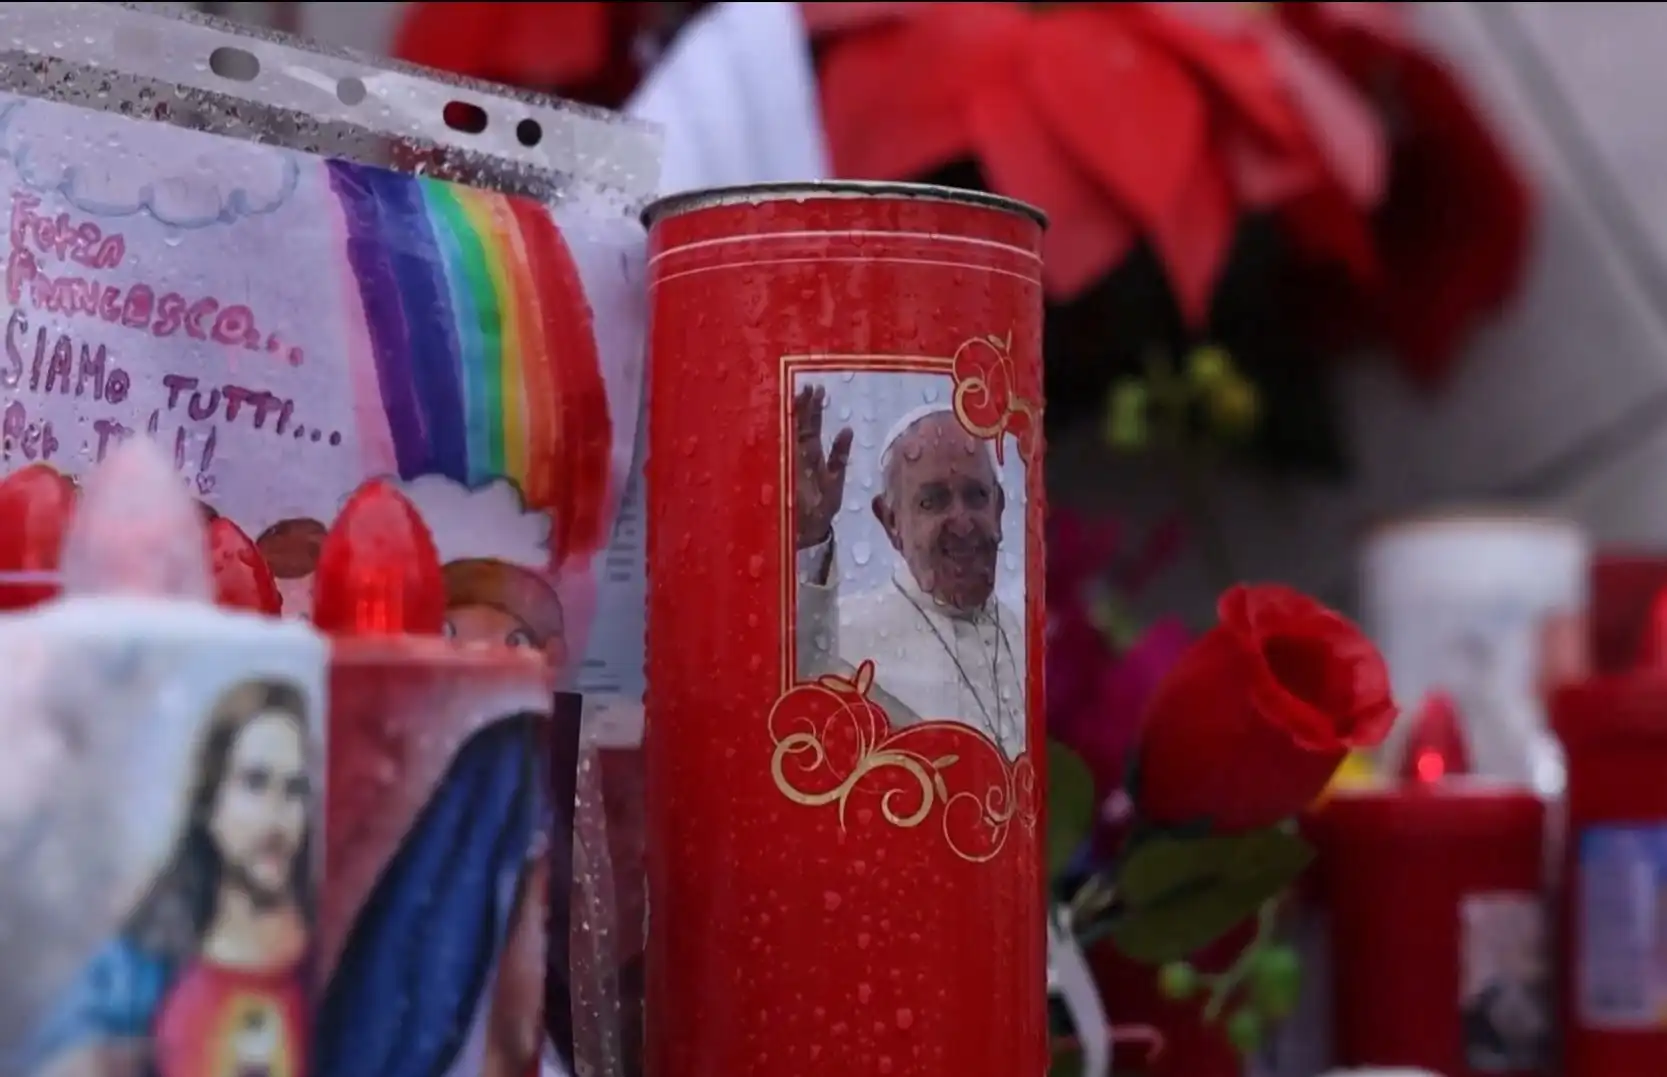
{"x": 999, "y": 807}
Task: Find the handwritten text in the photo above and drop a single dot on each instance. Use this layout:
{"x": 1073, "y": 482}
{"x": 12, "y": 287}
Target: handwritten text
{"x": 38, "y": 241}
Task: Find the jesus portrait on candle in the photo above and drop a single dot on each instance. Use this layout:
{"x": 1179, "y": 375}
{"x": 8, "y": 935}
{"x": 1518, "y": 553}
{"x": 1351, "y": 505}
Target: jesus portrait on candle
{"x": 205, "y": 977}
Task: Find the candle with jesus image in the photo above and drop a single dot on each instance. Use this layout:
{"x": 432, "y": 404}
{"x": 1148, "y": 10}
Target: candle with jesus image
{"x": 159, "y": 873}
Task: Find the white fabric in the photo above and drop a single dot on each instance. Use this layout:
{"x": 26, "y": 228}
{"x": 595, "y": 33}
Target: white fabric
{"x": 930, "y": 663}
{"x": 1071, "y": 980}
{"x": 737, "y": 97}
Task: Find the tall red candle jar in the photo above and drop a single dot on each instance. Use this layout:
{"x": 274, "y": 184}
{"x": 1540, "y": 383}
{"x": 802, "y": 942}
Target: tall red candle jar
{"x": 1438, "y": 927}
{"x": 1614, "y": 730}
{"x": 844, "y": 733}
{"x": 433, "y": 908}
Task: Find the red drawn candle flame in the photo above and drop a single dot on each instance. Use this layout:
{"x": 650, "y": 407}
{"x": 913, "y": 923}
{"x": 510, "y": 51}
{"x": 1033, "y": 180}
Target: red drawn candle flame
{"x": 1436, "y": 748}
{"x": 36, "y": 504}
{"x": 242, "y": 578}
{"x": 378, "y": 571}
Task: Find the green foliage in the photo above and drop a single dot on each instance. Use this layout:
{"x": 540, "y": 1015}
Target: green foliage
{"x": 1181, "y": 894}
{"x": 1178, "y": 980}
{"x": 1207, "y": 399}
{"x": 1066, "y": 1062}
{"x": 1070, "y": 806}
{"x": 1275, "y": 981}
{"x": 1244, "y": 1031}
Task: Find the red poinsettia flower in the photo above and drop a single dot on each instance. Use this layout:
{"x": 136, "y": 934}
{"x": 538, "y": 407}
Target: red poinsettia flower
{"x": 583, "y": 51}
{"x": 1452, "y": 236}
{"x": 1122, "y": 120}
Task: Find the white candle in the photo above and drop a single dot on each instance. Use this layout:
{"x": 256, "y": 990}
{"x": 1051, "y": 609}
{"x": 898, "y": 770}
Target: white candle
{"x": 159, "y": 779}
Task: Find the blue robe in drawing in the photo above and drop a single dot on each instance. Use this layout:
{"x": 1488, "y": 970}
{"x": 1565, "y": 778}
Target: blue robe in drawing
{"x": 416, "y": 970}
{"x": 115, "y": 998}
{"x": 417, "y": 964}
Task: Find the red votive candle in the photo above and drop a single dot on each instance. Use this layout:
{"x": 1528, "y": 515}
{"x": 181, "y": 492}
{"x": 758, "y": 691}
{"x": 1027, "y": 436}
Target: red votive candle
{"x": 1438, "y": 927}
{"x": 36, "y": 503}
{"x": 433, "y": 911}
{"x": 1614, "y": 968}
{"x": 844, "y": 735}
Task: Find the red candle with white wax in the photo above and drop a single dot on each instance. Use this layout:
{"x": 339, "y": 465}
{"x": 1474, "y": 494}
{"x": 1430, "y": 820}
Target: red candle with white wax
{"x": 436, "y": 879}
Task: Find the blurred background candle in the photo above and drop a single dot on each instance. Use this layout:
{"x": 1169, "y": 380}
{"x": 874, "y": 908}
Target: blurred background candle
{"x": 242, "y": 578}
{"x": 1614, "y": 895}
{"x": 36, "y": 503}
{"x": 1488, "y": 608}
{"x": 1438, "y": 931}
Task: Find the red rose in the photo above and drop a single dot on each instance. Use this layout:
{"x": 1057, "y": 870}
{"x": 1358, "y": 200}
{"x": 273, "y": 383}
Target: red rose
{"x": 1250, "y": 724}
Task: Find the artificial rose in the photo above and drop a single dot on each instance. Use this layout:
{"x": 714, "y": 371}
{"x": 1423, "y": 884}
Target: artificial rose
{"x": 1250, "y": 724}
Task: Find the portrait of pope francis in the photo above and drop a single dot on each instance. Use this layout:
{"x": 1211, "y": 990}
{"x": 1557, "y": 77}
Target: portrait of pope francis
{"x": 944, "y": 645}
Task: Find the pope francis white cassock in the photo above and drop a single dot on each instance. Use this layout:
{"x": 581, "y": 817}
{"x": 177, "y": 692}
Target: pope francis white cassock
{"x": 943, "y": 645}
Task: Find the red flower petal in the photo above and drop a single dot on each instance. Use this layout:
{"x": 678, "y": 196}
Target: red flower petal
{"x": 1192, "y": 241}
{"x": 894, "y": 97}
{"x": 1131, "y": 116}
{"x": 1087, "y": 235}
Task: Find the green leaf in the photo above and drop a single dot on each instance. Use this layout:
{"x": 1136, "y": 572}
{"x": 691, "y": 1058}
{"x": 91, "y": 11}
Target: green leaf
{"x": 1182, "y": 895}
{"x": 1162, "y": 864}
{"x": 1276, "y": 981}
{"x": 1070, "y": 805}
{"x": 1066, "y": 1062}
{"x": 1244, "y": 1030}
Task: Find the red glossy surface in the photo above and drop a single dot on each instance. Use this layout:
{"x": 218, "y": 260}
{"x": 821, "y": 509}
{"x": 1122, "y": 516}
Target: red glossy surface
{"x": 1398, "y": 865}
{"x": 36, "y": 504}
{"x": 786, "y": 938}
{"x": 1614, "y": 733}
{"x": 242, "y": 578}
{"x": 403, "y": 714}
{"x": 378, "y": 571}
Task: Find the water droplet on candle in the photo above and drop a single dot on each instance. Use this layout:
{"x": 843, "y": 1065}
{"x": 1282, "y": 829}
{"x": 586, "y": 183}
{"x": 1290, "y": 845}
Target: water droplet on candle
{"x": 905, "y": 1018}
{"x": 831, "y": 900}
{"x": 865, "y": 994}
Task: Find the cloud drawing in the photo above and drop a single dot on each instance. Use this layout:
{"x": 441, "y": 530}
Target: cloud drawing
{"x": 488, "y": 521}
{"x": 110, "y": 167}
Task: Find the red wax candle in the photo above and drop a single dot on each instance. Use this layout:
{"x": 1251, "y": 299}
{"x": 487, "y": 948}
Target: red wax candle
{"x": 36, "y": 503}
{"x": 1614, "y": 732}
{"x": 845, "y": 635}
{"x": 437, "y": 859}
{"x": 1438, "y": 928}
{"x": 242, "y": 578}
{"x": 436, "y": 884}
{"x": 378, "y": 571}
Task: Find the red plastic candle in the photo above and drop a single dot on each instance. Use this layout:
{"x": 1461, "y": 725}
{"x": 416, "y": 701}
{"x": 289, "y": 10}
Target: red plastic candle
{"x": 1614, "y": 734}
{"x": 378, "y": 571}
{"x": 36, "y": 504}
{"x": 1436, "y": 747}
{"x": 242, "y": 578}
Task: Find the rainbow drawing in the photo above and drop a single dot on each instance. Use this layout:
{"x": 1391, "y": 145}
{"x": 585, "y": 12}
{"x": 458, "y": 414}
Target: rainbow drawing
{"x": 481, "y": 336}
